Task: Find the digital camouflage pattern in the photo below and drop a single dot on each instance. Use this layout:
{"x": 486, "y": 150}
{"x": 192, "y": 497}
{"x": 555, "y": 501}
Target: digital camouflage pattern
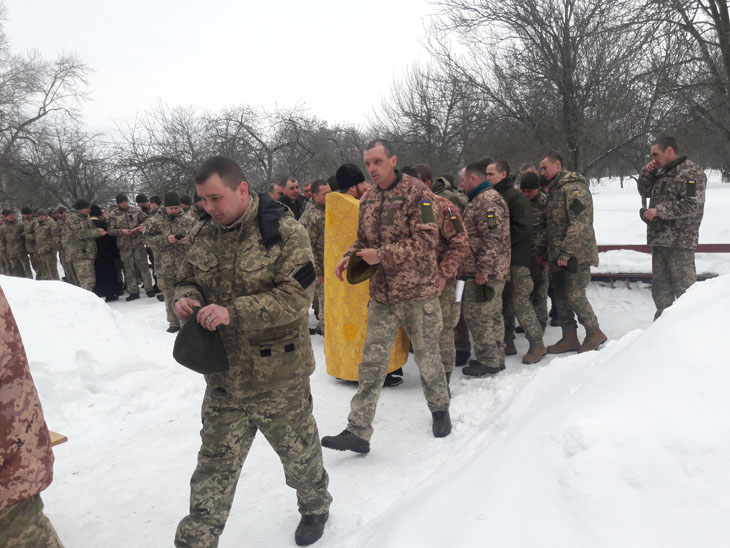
{"x": 120, "y": 219}
{"x": 79, "y": 242}
{"x": 23, "y": 525}
{"x": 26, "y": 459}
{"x": 453, "y": 244}
{"x": 267, "y": 291}
{"x": 485, "y": 322}
{"x": 421, "y": 319}
{"x": 678, "y": 194}
{"x": 313, "y": 221}
{"x": 539, "y": 295}
{"x": 538, "y": 238}
{"x": 450, "y": 313}
{"x": 284, "y": 417}
{"x": 516, "y": 302}
{"x": 399, "y": 222}
{"x": 486, "y": 219}
{"x": 673, "y": 272}
{"x": 12, "y": 248}
{"x": 569, "y": 220}
{"x": 569, "y": 294}
{"x": 46, "y": 241}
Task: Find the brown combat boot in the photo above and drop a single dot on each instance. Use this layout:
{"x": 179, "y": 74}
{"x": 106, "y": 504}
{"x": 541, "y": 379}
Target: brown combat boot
{"x": 569, "y": 342}
{"x": 509, "y": 347}
{"x": 534, "y": 354}
{"x": 593, "y": 340}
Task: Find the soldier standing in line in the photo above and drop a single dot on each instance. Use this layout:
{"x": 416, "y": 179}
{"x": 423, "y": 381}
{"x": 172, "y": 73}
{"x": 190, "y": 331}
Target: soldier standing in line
{"x": 186, "y": 204}
{"x": 144, "y": 204}
{"x": 313, "y": 221}
{"x": 28, "y": 226}
{"x": 398, "y": 232}
{"x": 79, "y": 240}
{"x": 486, "y": 270}
{"x": 155, "y": 204}
{"x": 249, "y": 267}
{"x": 675, "y": 188}
{"x": 68, "y": 272}
{"x": 126, "y": 225}
{"x": 571, "y": 253}
{"x": 530, "y": 187}
{"x": 45, "y": 238}
{"x": 290, "y": 196}
{"x": 167, "y": 235}
{"x": 12, "y": 246}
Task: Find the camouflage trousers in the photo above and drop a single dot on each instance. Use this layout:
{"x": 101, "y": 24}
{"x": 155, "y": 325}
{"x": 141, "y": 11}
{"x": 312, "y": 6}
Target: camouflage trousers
{"x": 539, "y": 295}
{"x": 485, "y": 322}
{"x": 516, "y": 302}
{"x": 18, "y": 266}
{"x": 462, "y": 342}
{"x": 47, "y": 266}
{"x": 673, "y": 272}
{"x": 68, "y": 269}
{"x": 24, "y": 525}
{"x": 319, "y": 297}
{"x": 284, "y": 417}
{"x": 569, "y": 292}
{"x": 167, "y": 285}
{"x": 421, "y": 319}
{"x": 84, "y": 272}
{"x": 135, "y": 261}
{"x": 450, "y": 313}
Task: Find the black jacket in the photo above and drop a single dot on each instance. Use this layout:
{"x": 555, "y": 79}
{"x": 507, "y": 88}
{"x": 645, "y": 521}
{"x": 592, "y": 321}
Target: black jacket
{"x": 520, "y": 221}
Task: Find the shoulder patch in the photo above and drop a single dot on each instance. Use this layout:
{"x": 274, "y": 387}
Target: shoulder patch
{"x": 491, "y": 219}
{"x": 575, "y": 191}
{"x": 427, "y": 215}
{"x": 577, "y": 207}
{"x": 691, "y": 188}
{"x": 305, "y": 276}
{"x": 456, "y": 222}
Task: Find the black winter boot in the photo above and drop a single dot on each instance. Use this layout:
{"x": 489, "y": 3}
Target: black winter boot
{"x": 310, "y": 529}
{"x": 346, "y": 441}
{"x": 441, "y": 424}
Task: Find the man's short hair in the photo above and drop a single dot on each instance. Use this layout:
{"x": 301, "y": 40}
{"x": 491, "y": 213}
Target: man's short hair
{"x": 424, "y": 172}
{"x": 223, "y": 166}
{"x": 387, "y": 146}
{"x": 317, "y": 184}
{"x": 285, "y": 181}
{"x": 528, "y": 167}
{"x": 411, "y": 172}
{"x": 554, "y": 156}
{"x": 475, "y": 168}
{"x": 665, "y": 142}
{"x": 501, "y": 165}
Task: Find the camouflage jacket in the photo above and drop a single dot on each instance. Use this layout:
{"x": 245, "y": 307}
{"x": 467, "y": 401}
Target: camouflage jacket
{"x": 120, "y": 219}
{"x": 400, "y": 223}
{"x": 26, "y": 459}
{"x": 569, "y": 220}
{"x": 45, "y": 236}
{"x": 12, "y": 239}
{"x": 539, "y": 228}
{"x": 453, "y": 246}
{"x": 442, "y": 187}
{"x": 486, "y": 218}
{"x": 59, "y": 233}
{"x": 313, "y": 221}
{"x": 678, "y": 194}
{"x": 167, "y": 256}
{"x": 79, "y": 237}
{"x": 29, "y": 234}
{"x": 265, "y": 278}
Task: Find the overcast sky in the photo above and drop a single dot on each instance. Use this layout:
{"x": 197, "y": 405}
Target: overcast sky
{"x": 338, "y": 57}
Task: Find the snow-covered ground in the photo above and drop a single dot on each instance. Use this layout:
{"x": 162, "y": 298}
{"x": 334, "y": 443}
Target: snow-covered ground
{"x": 628, "y": 446}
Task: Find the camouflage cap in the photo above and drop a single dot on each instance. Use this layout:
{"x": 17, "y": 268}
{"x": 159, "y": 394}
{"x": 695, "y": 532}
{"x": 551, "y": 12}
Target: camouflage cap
{"x": 199, "y": 349}
{"x": 358, "y": 270}
{"x": 42, "y": 212}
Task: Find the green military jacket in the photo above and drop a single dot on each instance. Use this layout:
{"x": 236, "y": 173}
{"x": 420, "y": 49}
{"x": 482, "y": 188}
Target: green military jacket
{"x": 442, "y": 187}
{"x": 313, "y": 221}
{"x": 158, "y": 227}
{"x": 265, "y": 278}
{"x": 12, "y": 239}
{"x": 44, "y": 234}
{"x": 79, "y": 237}
{"x": 569, "y": 220}
{"x": 29, "y": 233}
{"x": 120, "y": 219}
{"x": 678, "y": 194}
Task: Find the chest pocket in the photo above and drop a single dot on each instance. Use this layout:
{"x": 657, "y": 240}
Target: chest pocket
{"x": 206, "y": 264}
{"x": 280, "y": 358}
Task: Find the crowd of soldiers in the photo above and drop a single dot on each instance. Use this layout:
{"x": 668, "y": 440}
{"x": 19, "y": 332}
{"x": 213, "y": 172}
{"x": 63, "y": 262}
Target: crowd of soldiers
{"x": 442, "y": 263}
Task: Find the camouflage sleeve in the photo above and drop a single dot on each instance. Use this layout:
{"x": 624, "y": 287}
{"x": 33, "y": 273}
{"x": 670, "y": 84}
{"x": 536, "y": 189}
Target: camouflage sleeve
{"x": 645, "y": 182}
{"x": 154, "y": 234}
{"x": 423, "y": 239}
{"x": 579, "y": 205}
{"x": 490, "y": 236}
{"x": 113, "y": 226}
{"x": 291, "y": 296}
{"x": 185, "y": 286}
{"x": 690, "y": 189}
{"x": 2, "y": 239}
{"x": 361, "y": 242}
{"x": 452, "y": 230}
{"x": 539, "y": 230}
{"x": 82, "y": 230}
{"x": 316, "y": 239}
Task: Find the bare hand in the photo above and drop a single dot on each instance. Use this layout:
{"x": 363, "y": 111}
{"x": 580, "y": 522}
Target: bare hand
{"x": 562, "y": 262}
{"x": 341, "y": 267}
{"x": 171, "y": 238}
{"x": 482, "y": 279}
{"x": 183, "y": 240}
{"x": 442, "y": 284}
{"x": 369, "y": 255}
{"x": 126, "y": 231}
{"x": 650, "y": 213}
{"x": 320, "y": 280}
{"x": 652, "y": 166}
{"x": 184, "y": 307}
{"x": 101, "y": 231}
{"x": 212, "y": 316}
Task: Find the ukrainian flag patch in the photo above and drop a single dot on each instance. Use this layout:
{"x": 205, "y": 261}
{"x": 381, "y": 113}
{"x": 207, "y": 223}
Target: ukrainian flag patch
{"x": 427, "y": 215}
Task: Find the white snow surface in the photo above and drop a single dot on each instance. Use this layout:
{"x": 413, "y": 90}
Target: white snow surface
{"x": 628, "y": 446}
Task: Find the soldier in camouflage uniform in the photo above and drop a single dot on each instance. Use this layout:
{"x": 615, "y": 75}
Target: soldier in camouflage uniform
{"x": 571, "y": 253}
{"x": 12, "y": 246}
{"x": 313, "y": 221}
{"x": 3, "y": 263}
{"x": 68, "y": 271}
{"x": 675, "y": 188}
{"x": 79, "y": 240}
{"x": 250, "y": 268}
{"x": 26, "y": 458}
{"x": 486, "y": 270}
{"x": 167, "y": 235}
{"x": 530, "y": 187}
{"x": 28, "y": 225}
{"x": 45, "y": 239}
{"x": 397, "y": 230}
{"x": 125, "y": 224}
